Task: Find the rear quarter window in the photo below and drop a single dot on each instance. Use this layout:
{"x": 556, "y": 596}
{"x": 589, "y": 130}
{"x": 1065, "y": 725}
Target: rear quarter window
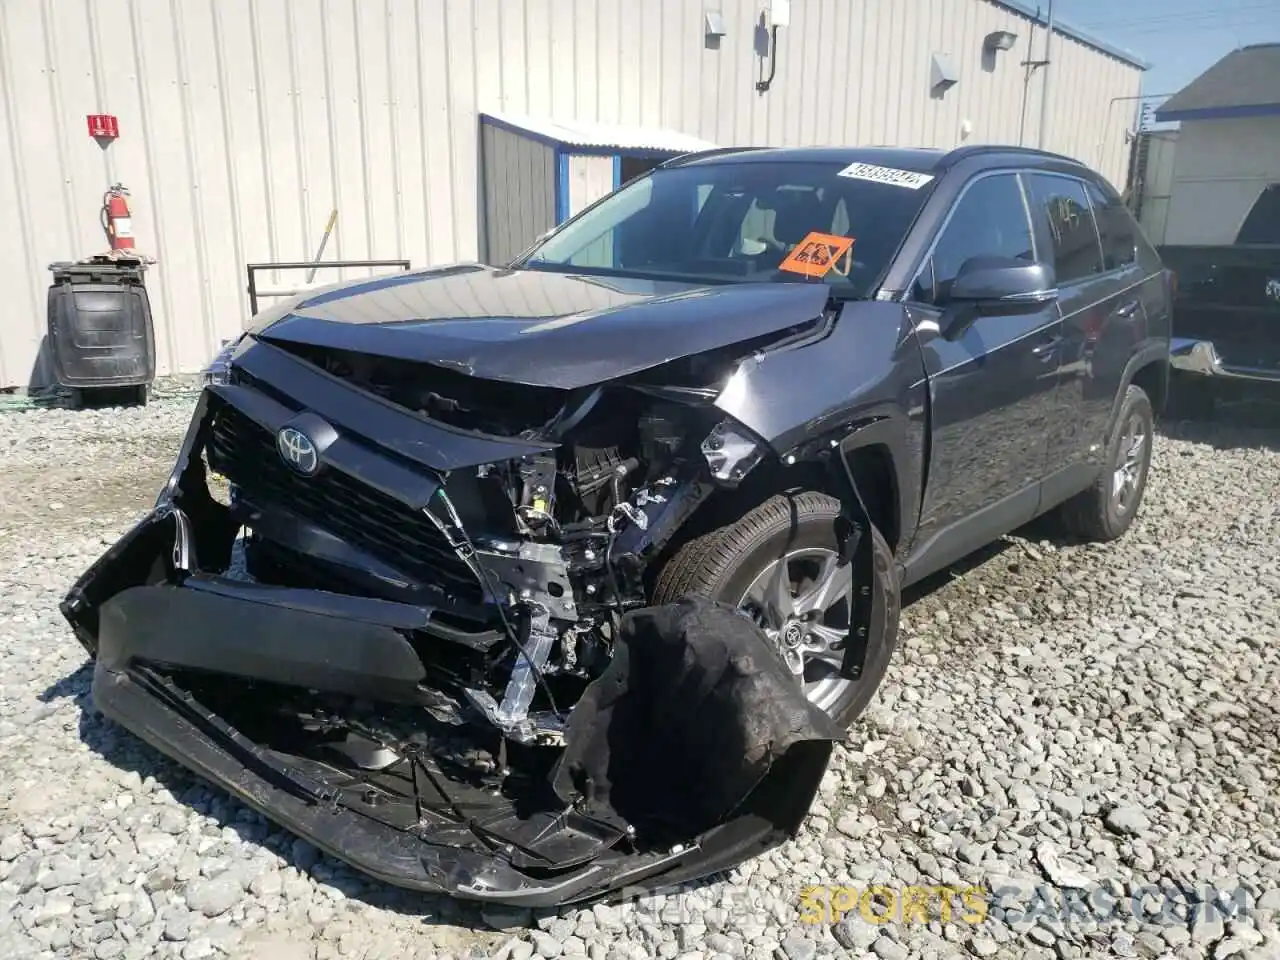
{"x": 1061, "y": 205}
{"x": 1116, "y": 228}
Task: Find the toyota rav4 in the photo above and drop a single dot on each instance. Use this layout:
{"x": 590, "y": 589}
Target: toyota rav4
{"x": 534, "y": 582}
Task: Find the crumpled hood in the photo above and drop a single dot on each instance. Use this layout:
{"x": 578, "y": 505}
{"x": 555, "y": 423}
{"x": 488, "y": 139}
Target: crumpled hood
{"x": 537, "y": 327}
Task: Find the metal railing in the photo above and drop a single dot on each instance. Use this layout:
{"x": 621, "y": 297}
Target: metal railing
{"x": 253, "y": 269}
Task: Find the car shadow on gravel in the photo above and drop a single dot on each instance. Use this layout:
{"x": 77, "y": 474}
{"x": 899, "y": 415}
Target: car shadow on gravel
{"x": 1231, "y": 426}
{"x": 129, "y": 754}
{"x": 1010, "y": 549}
{"x": 1228, "y": 432}
{"x": 956, "y": 571}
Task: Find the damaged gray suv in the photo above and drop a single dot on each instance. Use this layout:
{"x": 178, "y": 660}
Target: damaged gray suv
{"x": 537, "y": 583}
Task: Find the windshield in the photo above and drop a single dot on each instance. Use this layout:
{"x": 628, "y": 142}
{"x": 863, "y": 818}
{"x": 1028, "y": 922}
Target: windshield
{"x": 743, "y": 221}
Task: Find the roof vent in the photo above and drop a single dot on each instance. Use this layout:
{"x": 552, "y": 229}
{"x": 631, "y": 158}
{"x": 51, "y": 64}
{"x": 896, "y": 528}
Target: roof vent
{"x": 713, "y": 26}
{"x": 942, "y": 74}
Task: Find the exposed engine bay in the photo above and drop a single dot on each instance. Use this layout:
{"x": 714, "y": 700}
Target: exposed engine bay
{"x": 462, "y": 659}
{"x": 555, "y": 543}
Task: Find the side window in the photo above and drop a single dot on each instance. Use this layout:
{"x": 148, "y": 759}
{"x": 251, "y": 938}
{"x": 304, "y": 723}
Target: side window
{"x": 990, "y": 220}
{"x": 1115, "y": 226}
{"x": 1062, "y": 207}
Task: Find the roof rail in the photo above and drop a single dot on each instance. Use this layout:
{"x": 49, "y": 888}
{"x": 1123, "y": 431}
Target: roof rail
{"x": 980, "y": 149}
{"x": 702, "y": 154}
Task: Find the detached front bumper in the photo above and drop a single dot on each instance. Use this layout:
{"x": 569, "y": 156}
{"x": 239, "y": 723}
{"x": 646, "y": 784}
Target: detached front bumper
{"x": 179, "y": 728}
{"x": 1200, "y": 358}
{"x": 143, "y": 632}
{"x": 691, "y": 753}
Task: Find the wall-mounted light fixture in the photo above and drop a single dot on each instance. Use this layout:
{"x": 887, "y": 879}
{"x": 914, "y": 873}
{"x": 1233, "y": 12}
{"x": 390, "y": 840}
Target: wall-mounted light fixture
{"x": 999, "y": 40}
{"x": 779, "y": 16}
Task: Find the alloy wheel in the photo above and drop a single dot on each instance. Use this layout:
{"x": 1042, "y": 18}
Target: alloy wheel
{"x": 802, "y": 602}
{"x": 1131, "y": 459}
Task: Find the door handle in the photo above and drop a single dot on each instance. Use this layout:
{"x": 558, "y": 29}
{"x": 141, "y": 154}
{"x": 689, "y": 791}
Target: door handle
{"x": 1128, "y": 310}
{"x": 1048, "y": 348}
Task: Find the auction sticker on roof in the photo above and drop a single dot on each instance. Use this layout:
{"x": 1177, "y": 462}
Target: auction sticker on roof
{"x": 899, "y": 178}
{"x": 816, "y": 254}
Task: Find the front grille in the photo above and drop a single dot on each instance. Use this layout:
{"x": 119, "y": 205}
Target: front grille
{"x": 365, "y": 518}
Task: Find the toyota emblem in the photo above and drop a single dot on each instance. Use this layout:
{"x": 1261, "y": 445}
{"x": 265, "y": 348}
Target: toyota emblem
{"x": 297, "y": 451}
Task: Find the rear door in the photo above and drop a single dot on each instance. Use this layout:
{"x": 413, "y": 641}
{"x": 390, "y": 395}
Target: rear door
{"x": 992, "y": 390}
{"x": 1099, "y": 293}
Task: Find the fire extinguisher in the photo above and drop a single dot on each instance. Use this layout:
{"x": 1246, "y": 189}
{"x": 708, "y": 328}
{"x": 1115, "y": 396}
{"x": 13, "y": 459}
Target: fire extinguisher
{"x": 116, "y": 219}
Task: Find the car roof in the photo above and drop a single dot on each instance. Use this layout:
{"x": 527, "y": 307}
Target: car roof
{"x": 921, "y": 160}
{"x": 918, "y": 159}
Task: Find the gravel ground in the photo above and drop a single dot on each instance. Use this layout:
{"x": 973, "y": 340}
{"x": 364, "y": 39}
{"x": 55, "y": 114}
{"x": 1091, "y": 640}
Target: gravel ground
{"x": 1081, "y": 742}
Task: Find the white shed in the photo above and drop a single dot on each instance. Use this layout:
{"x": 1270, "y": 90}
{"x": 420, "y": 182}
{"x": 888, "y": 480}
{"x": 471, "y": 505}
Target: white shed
{"x": 1227, "y": 156}
{"x": 536, "y": 173}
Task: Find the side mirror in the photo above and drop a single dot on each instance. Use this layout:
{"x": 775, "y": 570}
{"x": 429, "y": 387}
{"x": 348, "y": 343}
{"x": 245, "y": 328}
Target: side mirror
{"x": 996, "y": 286}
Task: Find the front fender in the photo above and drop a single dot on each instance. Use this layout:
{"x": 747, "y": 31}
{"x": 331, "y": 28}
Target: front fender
{"x": 862, "y": 384}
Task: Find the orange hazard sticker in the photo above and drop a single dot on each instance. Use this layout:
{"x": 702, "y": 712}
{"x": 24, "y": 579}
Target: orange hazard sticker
{"x": 816, "y": 254}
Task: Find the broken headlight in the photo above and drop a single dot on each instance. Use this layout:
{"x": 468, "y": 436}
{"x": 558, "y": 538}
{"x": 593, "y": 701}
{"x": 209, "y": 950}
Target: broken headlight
{"x": 731, "y": 451}
{"x": 218, "y": 367}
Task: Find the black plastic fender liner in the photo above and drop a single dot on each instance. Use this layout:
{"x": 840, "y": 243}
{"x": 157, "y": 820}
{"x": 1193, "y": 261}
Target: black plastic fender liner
{"x": 195, "y": 629}
{"x": 687, "y": 723}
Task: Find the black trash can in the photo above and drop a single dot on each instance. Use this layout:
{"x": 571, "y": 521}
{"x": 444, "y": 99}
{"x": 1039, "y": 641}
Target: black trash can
{"x": 101, "y": 337}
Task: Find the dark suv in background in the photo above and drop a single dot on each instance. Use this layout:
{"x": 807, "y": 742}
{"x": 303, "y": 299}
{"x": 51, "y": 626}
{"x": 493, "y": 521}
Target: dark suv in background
{"x": 565, "y": 574}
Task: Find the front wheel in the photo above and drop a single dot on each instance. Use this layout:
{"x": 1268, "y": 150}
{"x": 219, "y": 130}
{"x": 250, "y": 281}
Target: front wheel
{"x": 779, "y": 565}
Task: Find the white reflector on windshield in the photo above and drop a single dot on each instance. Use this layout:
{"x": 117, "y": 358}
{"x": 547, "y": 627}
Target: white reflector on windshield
{"x": 899, "y": 178}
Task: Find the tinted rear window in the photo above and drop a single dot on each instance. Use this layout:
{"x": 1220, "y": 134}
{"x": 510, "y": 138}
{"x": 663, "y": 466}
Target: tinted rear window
{"x": 1115, "y": 226}
{"x": 1063, "y": 207}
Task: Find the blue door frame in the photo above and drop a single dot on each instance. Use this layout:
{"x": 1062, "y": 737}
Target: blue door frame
{"x": 562, "y": 155}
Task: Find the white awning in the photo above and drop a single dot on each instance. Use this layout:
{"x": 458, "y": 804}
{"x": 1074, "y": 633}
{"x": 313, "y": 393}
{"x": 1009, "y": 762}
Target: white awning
{"x": 600, "y": 136}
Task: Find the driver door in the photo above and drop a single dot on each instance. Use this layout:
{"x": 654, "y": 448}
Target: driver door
{"x": 991, "y": 390}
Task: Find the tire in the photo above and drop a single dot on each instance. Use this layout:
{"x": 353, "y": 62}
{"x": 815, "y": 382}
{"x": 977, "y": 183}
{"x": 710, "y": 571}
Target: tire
{"x": 723, "y": 564}
{"x": 1100, "y": 514}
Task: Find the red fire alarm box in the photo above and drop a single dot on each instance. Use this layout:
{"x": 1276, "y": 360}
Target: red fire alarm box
{"x": 103, "y": 125}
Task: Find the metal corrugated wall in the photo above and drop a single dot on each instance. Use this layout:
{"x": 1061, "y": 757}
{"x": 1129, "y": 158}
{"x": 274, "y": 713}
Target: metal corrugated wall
{"x": 519, "y": 192}
{"x": 1157, "y": 183}
{"x": 590, "y": 178}
{"x": 243, "y": 122}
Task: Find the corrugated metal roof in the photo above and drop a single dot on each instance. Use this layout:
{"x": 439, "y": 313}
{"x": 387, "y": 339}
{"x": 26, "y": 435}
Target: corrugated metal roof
{"x": 599, "y": 136}
{"x": 1067, "y": 30}
{"x": 1246, "y": 82}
